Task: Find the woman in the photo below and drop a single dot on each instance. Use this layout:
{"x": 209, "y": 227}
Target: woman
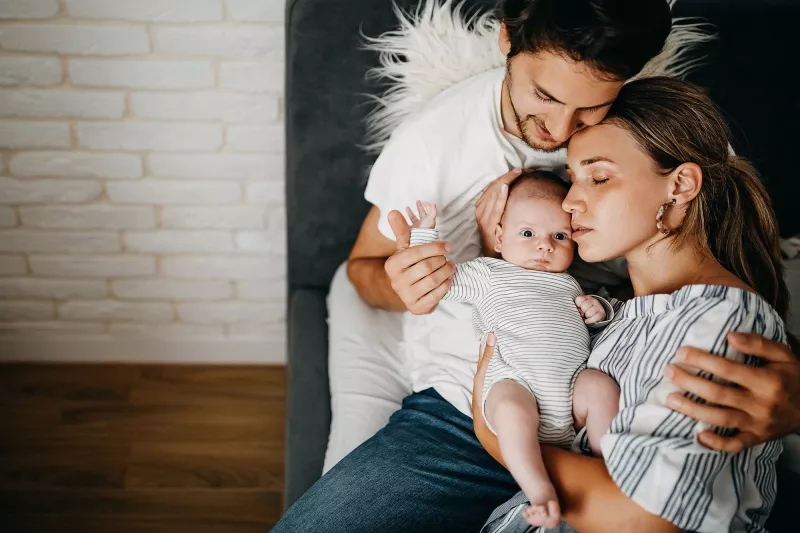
{"x": 654, "y": 183}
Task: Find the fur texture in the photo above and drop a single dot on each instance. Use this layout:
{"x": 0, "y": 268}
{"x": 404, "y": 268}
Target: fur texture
{"x": 441, "y": 44}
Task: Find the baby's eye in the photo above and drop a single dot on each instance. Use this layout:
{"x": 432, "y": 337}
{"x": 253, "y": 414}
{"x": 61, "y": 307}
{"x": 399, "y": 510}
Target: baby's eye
{"x": 526, "y": 233}
{"x": 561, "y": 236}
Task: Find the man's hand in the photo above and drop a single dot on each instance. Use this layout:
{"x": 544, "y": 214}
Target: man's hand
{"x": 590, "y": 309}
{"x": 763, "y": 405}
{"x": 489, "y": 209}
{"x": 421, "y": 275}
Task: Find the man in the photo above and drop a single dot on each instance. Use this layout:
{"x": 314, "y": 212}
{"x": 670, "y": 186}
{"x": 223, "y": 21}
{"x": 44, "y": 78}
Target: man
{"x": 425, "y": 470}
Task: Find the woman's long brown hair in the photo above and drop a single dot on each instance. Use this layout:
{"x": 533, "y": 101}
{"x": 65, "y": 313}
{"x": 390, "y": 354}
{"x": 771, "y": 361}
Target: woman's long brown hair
{"x": 674, "y": 122}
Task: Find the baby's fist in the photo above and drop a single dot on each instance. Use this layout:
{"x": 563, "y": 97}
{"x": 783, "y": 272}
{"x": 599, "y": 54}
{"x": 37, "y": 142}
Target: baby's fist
{"x": 427, "y": 215}
{"x": 591, "y": 309}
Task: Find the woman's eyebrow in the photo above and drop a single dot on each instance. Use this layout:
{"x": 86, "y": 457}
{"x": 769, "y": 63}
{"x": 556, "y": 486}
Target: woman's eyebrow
{"x": 593, "y": 160}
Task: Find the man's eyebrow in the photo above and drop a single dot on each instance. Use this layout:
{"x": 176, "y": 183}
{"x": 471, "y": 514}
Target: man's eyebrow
{"x": 593, "y": 160}
{"x": 556, "y": 100}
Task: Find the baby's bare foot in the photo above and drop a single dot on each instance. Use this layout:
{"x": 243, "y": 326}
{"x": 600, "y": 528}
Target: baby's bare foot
{"x": 544, "y": 510}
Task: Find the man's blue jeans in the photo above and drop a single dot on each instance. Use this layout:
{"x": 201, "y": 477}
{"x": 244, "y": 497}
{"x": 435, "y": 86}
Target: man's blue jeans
{"x": 424, "y": 472}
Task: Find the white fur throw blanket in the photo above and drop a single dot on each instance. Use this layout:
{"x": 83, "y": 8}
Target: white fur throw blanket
{"x": 438, "y": 45}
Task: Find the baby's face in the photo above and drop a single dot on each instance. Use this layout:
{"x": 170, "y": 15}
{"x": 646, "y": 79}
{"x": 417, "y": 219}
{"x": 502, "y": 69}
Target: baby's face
{"x": 537, "y": 235}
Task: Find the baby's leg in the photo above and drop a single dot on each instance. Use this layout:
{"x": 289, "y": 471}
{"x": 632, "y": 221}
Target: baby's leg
{"x": 595, "y": 403}
{"x": 512, "y": 412}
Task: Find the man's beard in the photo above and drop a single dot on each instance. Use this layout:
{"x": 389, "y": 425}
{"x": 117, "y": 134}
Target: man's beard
{"x": 530, "y": 120}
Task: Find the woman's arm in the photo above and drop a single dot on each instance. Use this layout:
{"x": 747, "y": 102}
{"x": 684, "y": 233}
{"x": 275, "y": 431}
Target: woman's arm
{"x": 590, "y": 500}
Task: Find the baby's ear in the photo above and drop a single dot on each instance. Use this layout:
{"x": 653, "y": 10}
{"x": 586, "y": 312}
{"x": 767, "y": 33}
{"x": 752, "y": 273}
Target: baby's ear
{"x": 498, "y": 238}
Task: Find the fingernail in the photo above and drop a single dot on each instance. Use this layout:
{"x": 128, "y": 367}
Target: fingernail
{"x": 674, "y": 401}
{"x": 491, "y": 340}
{"x": 517, "y": 170}
{"x": 681, "y": 354}
{"x": 706, "y": 438}
{"x": 503, "y": 187}
{"x": 734, "y": 336}
{"x": 448, "y": 247}
{"x": 669, "y": 372}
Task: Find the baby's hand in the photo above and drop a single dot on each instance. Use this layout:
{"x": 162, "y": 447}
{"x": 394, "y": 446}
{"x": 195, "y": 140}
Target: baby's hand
{"x": 427, "y": 215}
{"x": 591, "y": 309}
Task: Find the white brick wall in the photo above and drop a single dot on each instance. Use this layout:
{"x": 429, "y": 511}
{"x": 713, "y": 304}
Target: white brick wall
{"x": 24, "y": 9}
{"x": 75, "y": 165}
{"x": 75, "y": 39}
{"x": 142, "y": 74}
{"x": 100, "y": 216}
{"x": 30, "y": 71}
{"x": 142, "y": 174}
{"x": 147, "y": 10}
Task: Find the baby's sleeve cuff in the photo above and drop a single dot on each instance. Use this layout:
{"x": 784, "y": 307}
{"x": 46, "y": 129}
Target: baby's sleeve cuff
{"x": 423, "y": 236}
{"x": 609, "y": 313}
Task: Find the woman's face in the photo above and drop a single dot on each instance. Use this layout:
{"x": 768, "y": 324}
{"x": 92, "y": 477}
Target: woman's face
{"x": 615, "y": 194}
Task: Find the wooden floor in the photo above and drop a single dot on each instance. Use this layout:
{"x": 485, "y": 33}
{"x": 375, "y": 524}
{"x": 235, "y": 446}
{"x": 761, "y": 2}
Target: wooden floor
{"x": 108, "y": 448}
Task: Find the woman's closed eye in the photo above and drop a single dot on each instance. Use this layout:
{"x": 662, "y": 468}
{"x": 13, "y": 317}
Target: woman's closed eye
{"x": 599, "y": 179}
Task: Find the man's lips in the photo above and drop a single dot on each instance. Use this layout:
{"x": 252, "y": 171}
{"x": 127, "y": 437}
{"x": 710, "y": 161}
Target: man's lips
{"x": 544, "y": 134}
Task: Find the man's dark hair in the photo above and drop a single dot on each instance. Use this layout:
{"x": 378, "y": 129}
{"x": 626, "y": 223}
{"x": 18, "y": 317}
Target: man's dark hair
{"x": 615, "y": 37}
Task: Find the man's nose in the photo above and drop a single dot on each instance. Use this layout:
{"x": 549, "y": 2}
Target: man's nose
{"x": 562, "y": 124}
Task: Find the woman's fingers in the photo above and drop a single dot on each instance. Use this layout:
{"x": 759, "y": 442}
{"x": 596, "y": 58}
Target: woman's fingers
{"x": 710, "y": 391}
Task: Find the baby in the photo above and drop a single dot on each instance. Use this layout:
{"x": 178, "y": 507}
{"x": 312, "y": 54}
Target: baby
{"x": 536, "y": 387}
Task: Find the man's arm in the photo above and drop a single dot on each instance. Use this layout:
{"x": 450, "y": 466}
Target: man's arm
{"x": 365, "y": 266}
{"x": 590, "y": 500}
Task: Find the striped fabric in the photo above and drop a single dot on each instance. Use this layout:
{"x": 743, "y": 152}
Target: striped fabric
{"x": 651, "y": 451}
{"x": 542, "y": 340}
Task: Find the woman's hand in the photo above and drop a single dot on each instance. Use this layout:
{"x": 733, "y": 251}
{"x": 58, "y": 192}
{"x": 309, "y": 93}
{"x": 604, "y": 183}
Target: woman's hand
{"x": 421, "y": 275}
{"x": 764, "y": 404}
{"x": 490, "y": 206}
{"x": 482, "y": 431}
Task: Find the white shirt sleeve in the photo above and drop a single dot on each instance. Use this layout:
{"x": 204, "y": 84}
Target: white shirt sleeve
{"x": 401, "y": 175}
{"x": 651, "y": 451}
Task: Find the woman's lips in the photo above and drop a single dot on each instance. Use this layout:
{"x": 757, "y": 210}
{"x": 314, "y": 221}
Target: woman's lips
{"x": 579, "y": 232}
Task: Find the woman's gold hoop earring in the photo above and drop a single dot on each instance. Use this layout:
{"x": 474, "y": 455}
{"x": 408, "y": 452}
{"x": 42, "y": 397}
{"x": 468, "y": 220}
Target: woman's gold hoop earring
{"x": 660, "y": 216}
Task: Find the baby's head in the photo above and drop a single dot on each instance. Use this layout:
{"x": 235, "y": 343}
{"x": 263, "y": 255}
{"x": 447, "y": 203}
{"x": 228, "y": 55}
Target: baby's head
{"x": 535, "y": 232}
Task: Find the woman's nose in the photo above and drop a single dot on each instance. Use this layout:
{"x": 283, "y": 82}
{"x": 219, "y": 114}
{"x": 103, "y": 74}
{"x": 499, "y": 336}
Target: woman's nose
{"x": 573, "y": 203}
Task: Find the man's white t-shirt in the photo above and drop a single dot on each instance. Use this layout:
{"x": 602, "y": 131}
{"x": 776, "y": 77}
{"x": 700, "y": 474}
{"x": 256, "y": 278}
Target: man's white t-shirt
{"x": 447, "y": 153}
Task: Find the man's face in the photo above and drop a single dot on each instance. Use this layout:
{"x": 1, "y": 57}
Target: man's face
{"x": 551, "y": 97}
